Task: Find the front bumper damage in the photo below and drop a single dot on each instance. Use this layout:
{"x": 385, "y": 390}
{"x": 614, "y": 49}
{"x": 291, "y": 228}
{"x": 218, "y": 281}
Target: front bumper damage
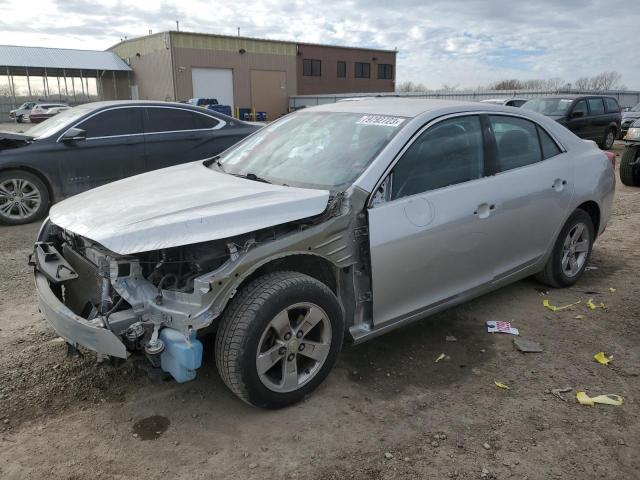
{"x": 74, "y": 329}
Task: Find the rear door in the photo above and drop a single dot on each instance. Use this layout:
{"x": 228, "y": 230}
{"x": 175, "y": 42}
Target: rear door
{"x": 113, "y": 149}
{"x": 430, "y": 239}
{"x": 532, "y": 191}
{"x": 599, "y": 120}
{"x": 175, "y": 135}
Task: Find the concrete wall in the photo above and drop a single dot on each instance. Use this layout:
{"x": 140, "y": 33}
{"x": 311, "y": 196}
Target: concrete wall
{"x": 329, "y": 82}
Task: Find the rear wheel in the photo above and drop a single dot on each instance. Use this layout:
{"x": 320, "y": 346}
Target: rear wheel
{"x": 571, "y": 252}
{"x": 609, "y": 138}
{"x": 23, "y": 197}
{"x": 279, "y": 338}
{"x": 630, "y": 167}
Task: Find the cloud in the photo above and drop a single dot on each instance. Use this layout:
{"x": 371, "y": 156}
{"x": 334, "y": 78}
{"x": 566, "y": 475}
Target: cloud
{"x": 464, "y": 42}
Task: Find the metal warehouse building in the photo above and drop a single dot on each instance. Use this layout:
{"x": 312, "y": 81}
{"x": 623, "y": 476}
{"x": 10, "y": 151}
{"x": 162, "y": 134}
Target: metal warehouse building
{"x": 249, "y": 73}
{"x": 60, "y": 75}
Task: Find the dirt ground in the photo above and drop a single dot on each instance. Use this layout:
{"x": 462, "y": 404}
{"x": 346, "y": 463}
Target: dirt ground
{"x": 387, "y": 411}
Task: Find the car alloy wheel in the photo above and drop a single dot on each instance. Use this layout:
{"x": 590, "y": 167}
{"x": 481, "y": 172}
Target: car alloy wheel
{"x": 293, "y": 347}
{"x": 575, "y": 250}
{"x": 609, "y": 139}
{"x": 20, "y": 199}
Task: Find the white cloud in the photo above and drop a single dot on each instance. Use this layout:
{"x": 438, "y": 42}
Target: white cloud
{"x": 464, "y": 42}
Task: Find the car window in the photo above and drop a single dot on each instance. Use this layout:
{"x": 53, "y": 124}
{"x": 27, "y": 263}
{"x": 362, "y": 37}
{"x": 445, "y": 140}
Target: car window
{"x": 581, "y": 106}
{"x": 517, "y": 142}
{"x": 516, "y": 103}
{"x": 176, "y": 119}
{"x": 612, "y": 105}
{"x": 549, "y": 146}
{"x": 596, "y": 106}
{"x": 118, "y": 121}
{"x": 448, "y": 153}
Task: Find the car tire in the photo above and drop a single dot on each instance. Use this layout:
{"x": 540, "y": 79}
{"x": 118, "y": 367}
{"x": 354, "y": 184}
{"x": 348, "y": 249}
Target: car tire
{"x": 608, "y": 139}
{"x": 31, "y": 199}
{"x": 20, "y": 119}
{"x": 630, "y": 172}
{"x": 575, "y": 241}
{"x": 268, "y": 322}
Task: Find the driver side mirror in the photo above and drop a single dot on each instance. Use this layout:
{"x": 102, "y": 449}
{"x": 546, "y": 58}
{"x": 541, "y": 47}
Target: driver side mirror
{"x": 74, "y": 135}
{"x": 577, "y": 114}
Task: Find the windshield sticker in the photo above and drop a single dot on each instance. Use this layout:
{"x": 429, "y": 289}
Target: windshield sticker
{"x": 380, "y": 120}
{"x": 566, "y": 100}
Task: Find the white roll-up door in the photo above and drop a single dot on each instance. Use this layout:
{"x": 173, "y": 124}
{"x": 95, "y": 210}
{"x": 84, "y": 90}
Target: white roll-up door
{"x": 213, "y": 83}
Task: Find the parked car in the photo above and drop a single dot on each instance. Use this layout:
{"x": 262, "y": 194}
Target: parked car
{"x": 202, "y": 102}
{"x": 628, "y": 117}
{"x": 97, "y": 143}
{"x": 21, "y": 114}
{"x": 507, "y": 102}
{"x": 630, "y": 162}
{"x": 593, "y": 117}
{"x": 43, "y": 111}
{"x": 351, "y": 217}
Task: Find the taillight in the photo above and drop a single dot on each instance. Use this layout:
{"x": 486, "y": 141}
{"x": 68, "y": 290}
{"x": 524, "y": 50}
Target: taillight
{"x": 612, "y": 158}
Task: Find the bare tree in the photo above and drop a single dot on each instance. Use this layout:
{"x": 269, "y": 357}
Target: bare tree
{"x": 509, "y": 84}
{"x": 449, "y": 87}
{"x": 610, "y": 80}
{"x": 409, "y": 86}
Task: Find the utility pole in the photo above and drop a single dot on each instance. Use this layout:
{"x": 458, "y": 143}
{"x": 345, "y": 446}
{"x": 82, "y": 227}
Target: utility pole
{"x": 177, "y": 25}
{"x": 238, "y": 31}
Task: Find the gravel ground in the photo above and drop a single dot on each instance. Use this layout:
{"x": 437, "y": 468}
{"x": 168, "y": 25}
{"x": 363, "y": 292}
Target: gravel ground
{"x": 387, "y": 411}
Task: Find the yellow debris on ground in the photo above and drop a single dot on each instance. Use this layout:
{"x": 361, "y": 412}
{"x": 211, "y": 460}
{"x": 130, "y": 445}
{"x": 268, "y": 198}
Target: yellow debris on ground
{"x": 501, "y": 385}
{"x": 553, "y": 308}
{"x": 602, "y": 359}
{"x": 440, "y": 357}
{"x": 612, "y": 290}
{"x": 580, "y": 317}
{"x": 608, "y": 399}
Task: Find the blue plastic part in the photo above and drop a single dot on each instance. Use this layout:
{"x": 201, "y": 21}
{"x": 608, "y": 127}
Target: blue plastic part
{"x": 181, "y": 356}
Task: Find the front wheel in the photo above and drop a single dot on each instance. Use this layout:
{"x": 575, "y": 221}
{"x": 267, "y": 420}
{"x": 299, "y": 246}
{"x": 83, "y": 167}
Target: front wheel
{"x": 279, "y": 338}
{"x": 571, "y": 252}
{"x": 630, "y": 167}
{"x": 20, "y": 119}
{"x": 23, "y": 197}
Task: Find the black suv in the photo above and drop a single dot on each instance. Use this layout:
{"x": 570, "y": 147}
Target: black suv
{"x": 594, "y": 117}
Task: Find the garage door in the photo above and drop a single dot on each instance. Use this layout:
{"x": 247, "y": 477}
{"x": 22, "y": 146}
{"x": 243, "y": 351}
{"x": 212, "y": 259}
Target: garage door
{"x": 269, "y": 92}
{"x": 213, "y": 83}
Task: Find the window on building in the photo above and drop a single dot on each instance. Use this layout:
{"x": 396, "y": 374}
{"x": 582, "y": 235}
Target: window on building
{"x": 176, "y": 119}
{"x": 363, "y": 70}
{"x": 119, "y": 121}
{"x": 311, "y": 68}
{"x": 385, "y": 71}
{"x": 342, "y": 69}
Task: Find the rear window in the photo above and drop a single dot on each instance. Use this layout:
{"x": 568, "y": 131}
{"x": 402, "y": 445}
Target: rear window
{"x": 612, "y": 105}
{"x": 596, "y": 106}
{"x": 549, "y": 146}
{"x": 176, "y": 119}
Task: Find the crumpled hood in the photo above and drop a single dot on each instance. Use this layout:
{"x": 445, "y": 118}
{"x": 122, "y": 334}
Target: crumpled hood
{"x": 180, "y": 205}
{"x": 630, "y": 115}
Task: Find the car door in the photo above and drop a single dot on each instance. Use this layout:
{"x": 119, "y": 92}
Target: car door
{"x": 175, "y": 135}
{"x": 578, "y": 119}
{"x": 113, "y": 149}
{"x": 532, "y": 190}
{"x": 599, "y": 120}
{"x": 430, "y": 238}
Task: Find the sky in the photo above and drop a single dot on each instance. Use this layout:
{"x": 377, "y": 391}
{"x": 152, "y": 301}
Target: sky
{"x": 467, "y": 43}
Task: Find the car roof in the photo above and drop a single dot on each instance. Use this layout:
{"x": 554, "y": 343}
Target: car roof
{"x": 400, "y": 107}
{"x": 573, "y": 96}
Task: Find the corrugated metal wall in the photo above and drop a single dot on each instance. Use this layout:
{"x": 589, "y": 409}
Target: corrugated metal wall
{"x": 625, "y": 98}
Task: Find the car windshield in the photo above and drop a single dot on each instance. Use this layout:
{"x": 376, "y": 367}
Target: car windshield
{"x": 54, "y": 124}
{"x": 549, "y": 106}
{"x": 327, "y": 150}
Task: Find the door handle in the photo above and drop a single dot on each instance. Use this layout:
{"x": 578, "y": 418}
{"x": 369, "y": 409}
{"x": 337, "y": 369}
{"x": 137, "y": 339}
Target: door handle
{"x": 558, "y": 184}
{"x": 484, "y": 210}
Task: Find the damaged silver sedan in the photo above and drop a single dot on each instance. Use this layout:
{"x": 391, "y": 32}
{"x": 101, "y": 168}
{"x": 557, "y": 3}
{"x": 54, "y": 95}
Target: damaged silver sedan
{"x": 340, "y": 221}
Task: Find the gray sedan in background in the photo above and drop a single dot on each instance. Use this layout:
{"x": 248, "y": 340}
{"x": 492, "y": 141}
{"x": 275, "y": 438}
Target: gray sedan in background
{"x": 354, "y": 217}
